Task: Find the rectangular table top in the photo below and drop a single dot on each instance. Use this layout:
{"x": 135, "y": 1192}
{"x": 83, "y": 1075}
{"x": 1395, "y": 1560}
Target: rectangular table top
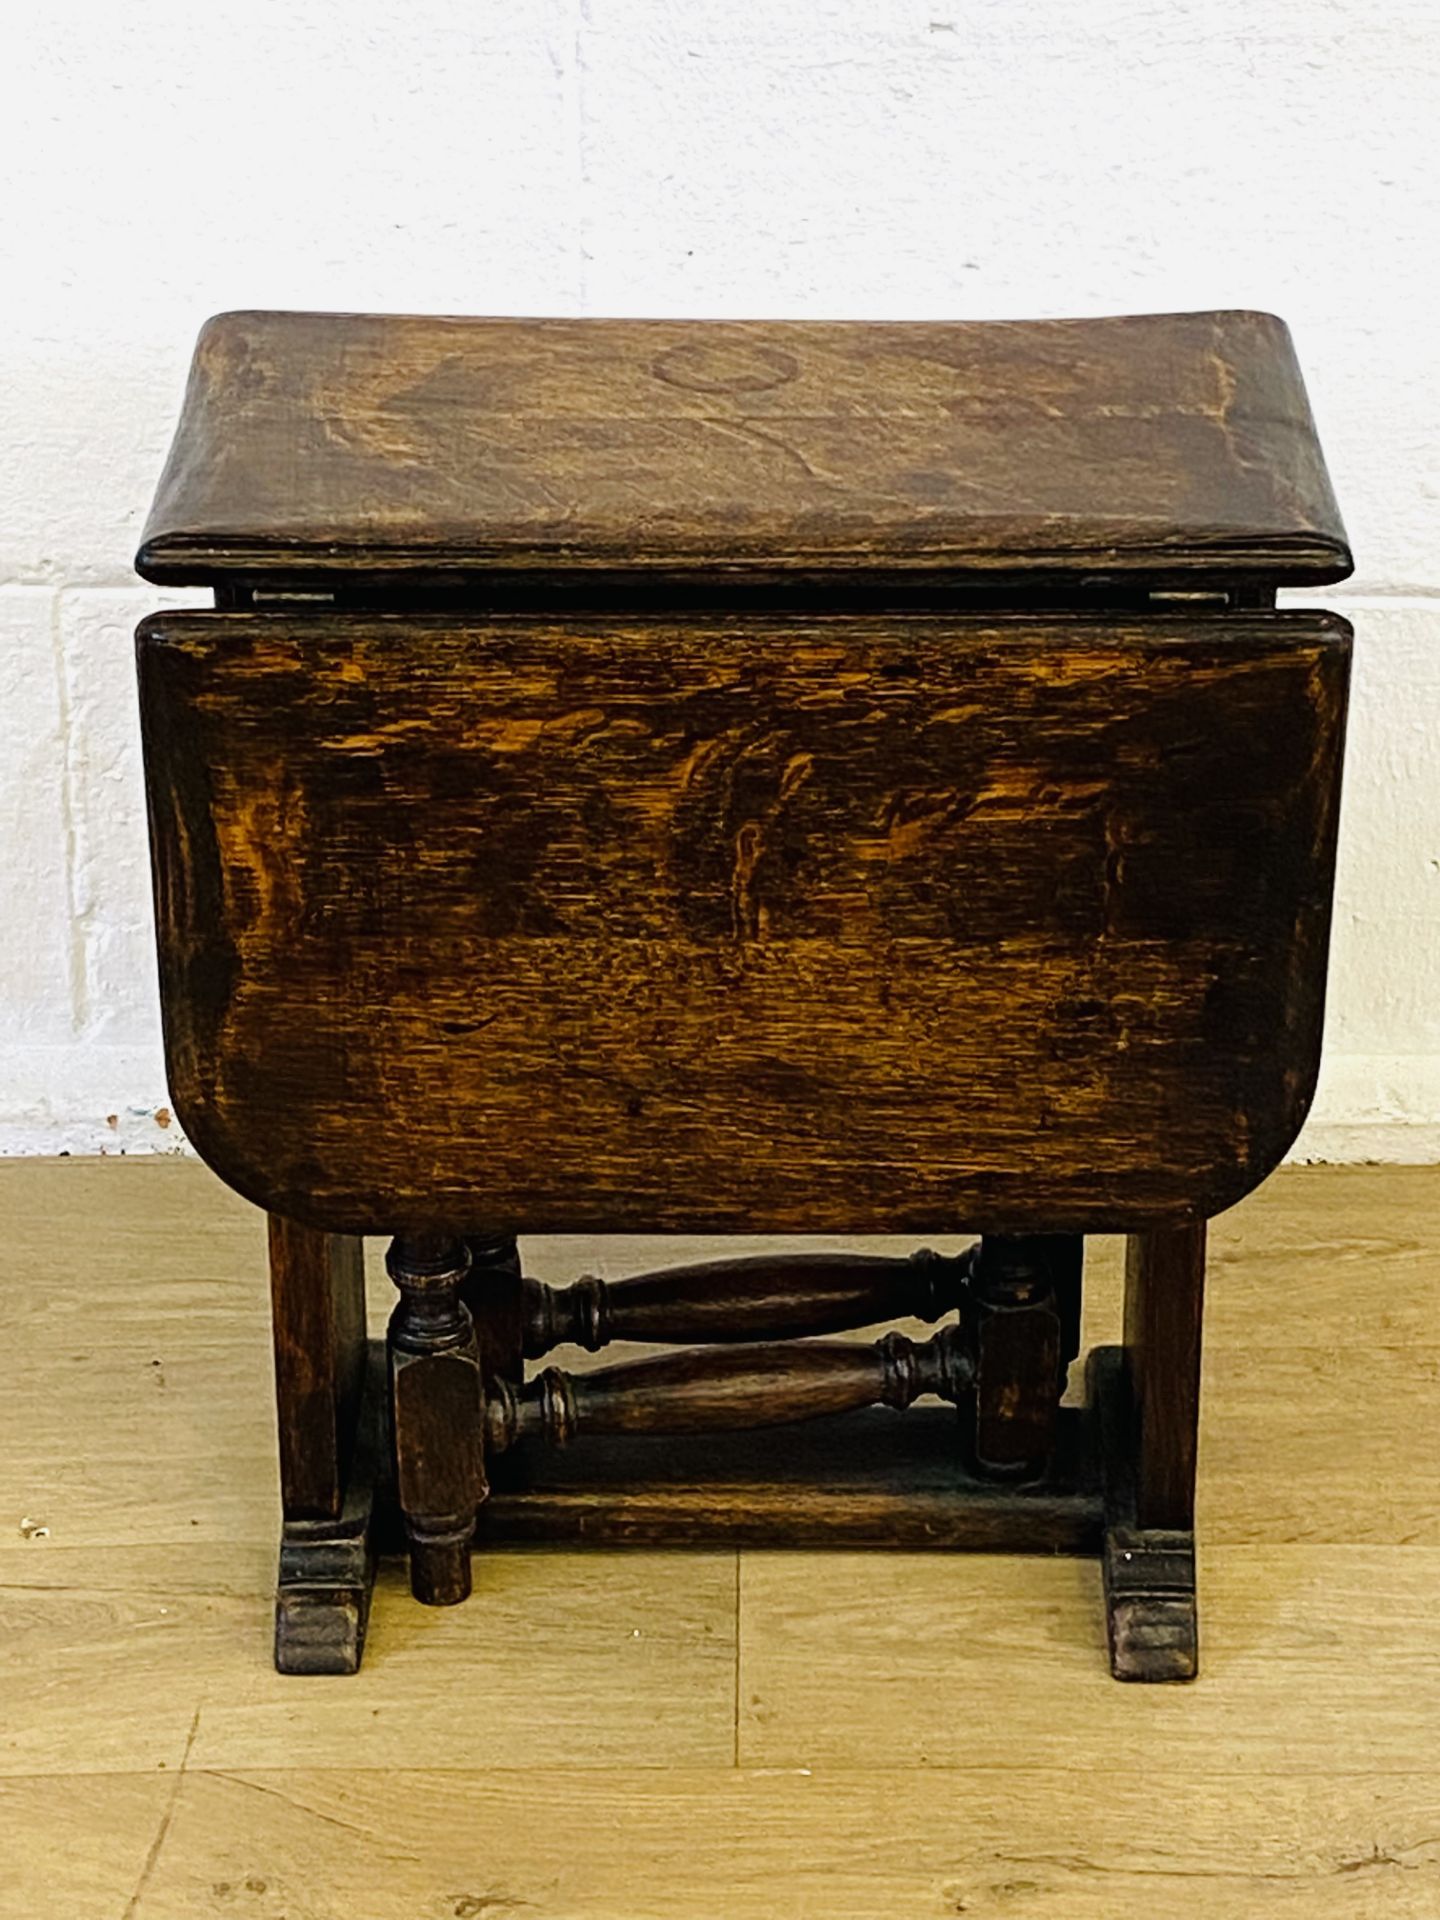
{"x": 1174, "y": 446}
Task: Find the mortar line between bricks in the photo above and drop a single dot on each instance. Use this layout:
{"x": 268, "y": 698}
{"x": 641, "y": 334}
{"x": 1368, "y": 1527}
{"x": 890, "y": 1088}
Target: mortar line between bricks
{"x": 75, "y": 955}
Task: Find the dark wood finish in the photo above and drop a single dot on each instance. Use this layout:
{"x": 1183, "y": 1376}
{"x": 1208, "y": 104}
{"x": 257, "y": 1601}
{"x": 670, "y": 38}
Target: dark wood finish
{"x": 1164, "y": 1302}
{"x": 719, "y": 926}
{"x": 435, "y": 1413}
{"x": 876, "y": 1479}
{"x": 494, "y": 1292}
{"x": 741, "y": 777}
{"x": 1018, "y": 1340}
{"x": 1064, "y": 1253}
{"x": 327, "y": 1566}
{"x": 712, "y": 1391}
{"x": 748, "y": 1299}
{"x": 328, "y": 444}
{"x": 317, "y": 1292}
{"x": 1152, "y": 1621}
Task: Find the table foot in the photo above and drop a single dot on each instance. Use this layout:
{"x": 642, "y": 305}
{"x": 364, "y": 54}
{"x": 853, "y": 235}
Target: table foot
{"x": 327, "y": 1567}
{"x": 440, "y": 1569}
{"x": 1151, "y": 1618}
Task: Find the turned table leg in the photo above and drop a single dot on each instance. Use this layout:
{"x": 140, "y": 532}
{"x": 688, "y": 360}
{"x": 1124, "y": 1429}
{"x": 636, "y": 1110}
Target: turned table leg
{"x": 1148, "y": 1399}
{"x": 330, "y": 1420}
{"x": 1019, "y": 1354}
{"x": 435, "y": 1397}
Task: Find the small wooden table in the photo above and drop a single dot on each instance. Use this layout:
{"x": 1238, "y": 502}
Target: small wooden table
{"x": 740, "y": 778}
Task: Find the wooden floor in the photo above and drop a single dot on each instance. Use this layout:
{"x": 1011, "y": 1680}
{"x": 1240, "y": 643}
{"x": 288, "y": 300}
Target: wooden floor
{"x": 772, "y": 1735}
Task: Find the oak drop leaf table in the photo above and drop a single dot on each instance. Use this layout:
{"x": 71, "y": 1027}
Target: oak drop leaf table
{"x": 727, "y": 779}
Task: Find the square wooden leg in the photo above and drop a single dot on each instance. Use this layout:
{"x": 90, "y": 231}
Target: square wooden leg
{"x": 327, "y": 1567}
{"x": 330, "y": 1400}
{"x": 1147, "y": 1402}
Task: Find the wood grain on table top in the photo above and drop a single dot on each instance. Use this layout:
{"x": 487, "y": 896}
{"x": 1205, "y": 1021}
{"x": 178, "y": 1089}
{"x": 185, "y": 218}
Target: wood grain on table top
{"x": 1173, "y": 444}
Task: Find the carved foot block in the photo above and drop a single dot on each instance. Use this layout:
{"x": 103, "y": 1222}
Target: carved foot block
{"x": 1150, "y": 1613}
{"x": 320, "y": 1629}
{"x": 1151, "y": 1618}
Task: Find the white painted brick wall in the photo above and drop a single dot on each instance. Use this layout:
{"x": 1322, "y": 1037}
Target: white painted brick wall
{"x": 958, "y": 158}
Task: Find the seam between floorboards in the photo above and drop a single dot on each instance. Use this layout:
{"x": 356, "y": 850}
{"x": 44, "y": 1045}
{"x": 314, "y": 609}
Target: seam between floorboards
{"x": 132, "y": 1905}
{"x": 756, "y": 1770}
{"x": 735, "y": 1752}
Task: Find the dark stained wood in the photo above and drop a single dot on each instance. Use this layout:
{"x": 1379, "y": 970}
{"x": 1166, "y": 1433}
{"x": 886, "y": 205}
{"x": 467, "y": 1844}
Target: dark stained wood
{"x": 1017, "y": 1339}
{"x": 726, "y": 778}
{"x": 719, "y": 1389}
{"x": 435, "y": 1413}
{"x": 750, "y": 925}
{"x": 760, "y": 1298}
{"x": 1152, "y": 1621}
{"x": 1065, "y": 1256}
{"x": 494, "y": 1292}
{"x": 876, "y": 1479}
{"x": 317, "y": 1292}
{"x": 1172, "y": 445}
{"x": 327, "y": 1567}
{"x": 1164, "y": 1304}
